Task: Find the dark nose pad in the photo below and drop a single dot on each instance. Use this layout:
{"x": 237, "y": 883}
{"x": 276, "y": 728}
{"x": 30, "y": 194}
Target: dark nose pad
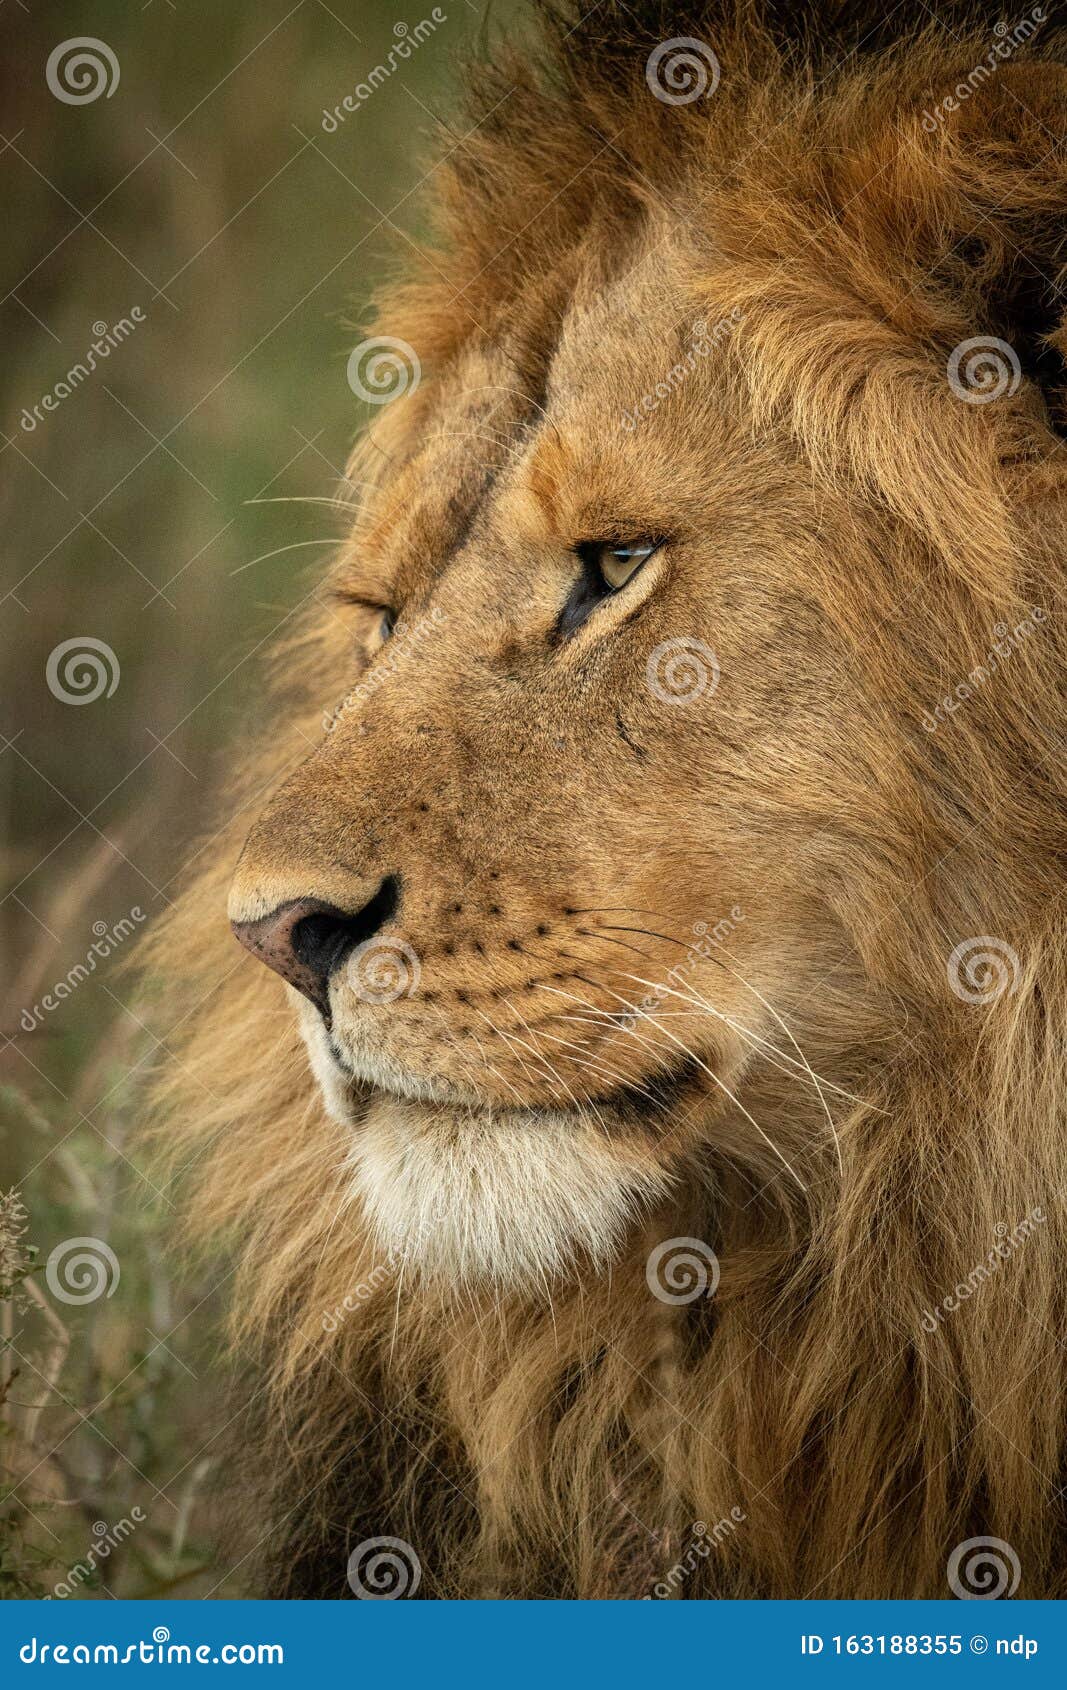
{"x": 305, "y": 940}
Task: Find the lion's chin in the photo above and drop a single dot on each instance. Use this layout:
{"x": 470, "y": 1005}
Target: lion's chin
{"x": 476, "y": 1197}
{"x": 511, "y": 1200}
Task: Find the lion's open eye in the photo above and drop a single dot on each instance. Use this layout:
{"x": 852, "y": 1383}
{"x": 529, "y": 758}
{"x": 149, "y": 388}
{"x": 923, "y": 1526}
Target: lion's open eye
{"x": 616, "y": 564}
{"x": 607, "y": 567}
{"x": 387, "y": 624}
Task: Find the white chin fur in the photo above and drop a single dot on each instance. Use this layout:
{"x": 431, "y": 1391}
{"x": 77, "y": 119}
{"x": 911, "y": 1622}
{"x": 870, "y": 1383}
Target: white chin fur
{"x": 329, "y": 1078}
{"x": 467, "y": 1198}
{"x": 514, "y": 1201}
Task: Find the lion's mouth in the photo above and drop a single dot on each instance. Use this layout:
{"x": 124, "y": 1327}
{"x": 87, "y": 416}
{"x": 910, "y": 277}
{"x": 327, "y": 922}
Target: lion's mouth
{"x": 366, "y": 1073}
{"x": 650, "y": 1105}
{"x": 468, "y": 1189}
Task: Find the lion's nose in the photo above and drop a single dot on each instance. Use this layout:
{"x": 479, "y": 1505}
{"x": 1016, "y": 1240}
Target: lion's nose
{"x": 306, "y": 940}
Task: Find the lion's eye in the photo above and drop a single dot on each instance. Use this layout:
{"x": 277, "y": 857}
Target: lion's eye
{"x": 617, "y": 564}
{"x": 387, "y": 624}
{"x": 607, "y": 567}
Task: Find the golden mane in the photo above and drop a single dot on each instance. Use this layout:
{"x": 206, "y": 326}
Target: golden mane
{"x": 833, "y": 1433}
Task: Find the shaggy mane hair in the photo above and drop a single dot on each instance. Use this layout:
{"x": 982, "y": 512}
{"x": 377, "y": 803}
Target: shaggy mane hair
{"x": 564, "y": 1446}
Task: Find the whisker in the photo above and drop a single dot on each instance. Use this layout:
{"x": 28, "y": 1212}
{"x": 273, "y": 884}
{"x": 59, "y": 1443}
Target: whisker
{"x": 715, "y": 1079}
{"x": 789, "y": 1035}
{"x": 817, "y": 1080}
{"x": 772, "y": 1011}
{"x": 310, "y": 499}
{"x": 499, "y": 387}
{"x": 554, "y": 1076}
{"x": 455, "y": 1046}
{"x": 297, "y": 545}
{"x": 600, "y": 1067}
{"x": 711, "y": 1010}
{"x": 506, "y": 1037}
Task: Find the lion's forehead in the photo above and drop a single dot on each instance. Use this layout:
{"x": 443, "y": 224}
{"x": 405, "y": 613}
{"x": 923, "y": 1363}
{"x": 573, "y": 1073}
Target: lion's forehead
{"x": 512, "y": 448}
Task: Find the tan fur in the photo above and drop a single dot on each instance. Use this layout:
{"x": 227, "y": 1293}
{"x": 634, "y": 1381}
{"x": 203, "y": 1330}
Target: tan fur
{"x": 443, "y": 1267}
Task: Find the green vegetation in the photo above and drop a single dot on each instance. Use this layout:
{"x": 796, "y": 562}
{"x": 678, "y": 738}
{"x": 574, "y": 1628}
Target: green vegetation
{"x": 202, "y": 222}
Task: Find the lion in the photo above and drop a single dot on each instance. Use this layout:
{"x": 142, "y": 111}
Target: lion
{"x": 643, "y": 1150}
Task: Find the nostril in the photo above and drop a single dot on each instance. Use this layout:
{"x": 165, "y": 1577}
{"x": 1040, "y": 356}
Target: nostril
{"x": 305, "y": 940}
{"x": 322, "y": 940}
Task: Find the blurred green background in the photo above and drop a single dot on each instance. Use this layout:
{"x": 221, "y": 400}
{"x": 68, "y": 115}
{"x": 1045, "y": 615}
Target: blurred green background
{"x": 203, "y": 191}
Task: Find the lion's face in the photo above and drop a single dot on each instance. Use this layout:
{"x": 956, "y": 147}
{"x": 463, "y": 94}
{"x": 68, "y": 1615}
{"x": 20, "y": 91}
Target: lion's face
{"x": 689, "y": 709}
{"x": 548, "y": 877}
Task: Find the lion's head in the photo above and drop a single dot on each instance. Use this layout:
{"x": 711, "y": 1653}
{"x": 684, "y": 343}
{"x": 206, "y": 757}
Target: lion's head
{"x": 557, "y": 854}
{"x": 666, "y": 841}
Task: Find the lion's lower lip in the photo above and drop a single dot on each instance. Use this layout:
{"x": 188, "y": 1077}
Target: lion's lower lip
{"x": 640, "y": 1102}
{"x": 390, "y": 1079}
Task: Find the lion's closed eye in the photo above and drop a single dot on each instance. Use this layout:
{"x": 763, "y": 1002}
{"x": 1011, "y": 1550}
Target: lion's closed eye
{"x": 383, "y": 617}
